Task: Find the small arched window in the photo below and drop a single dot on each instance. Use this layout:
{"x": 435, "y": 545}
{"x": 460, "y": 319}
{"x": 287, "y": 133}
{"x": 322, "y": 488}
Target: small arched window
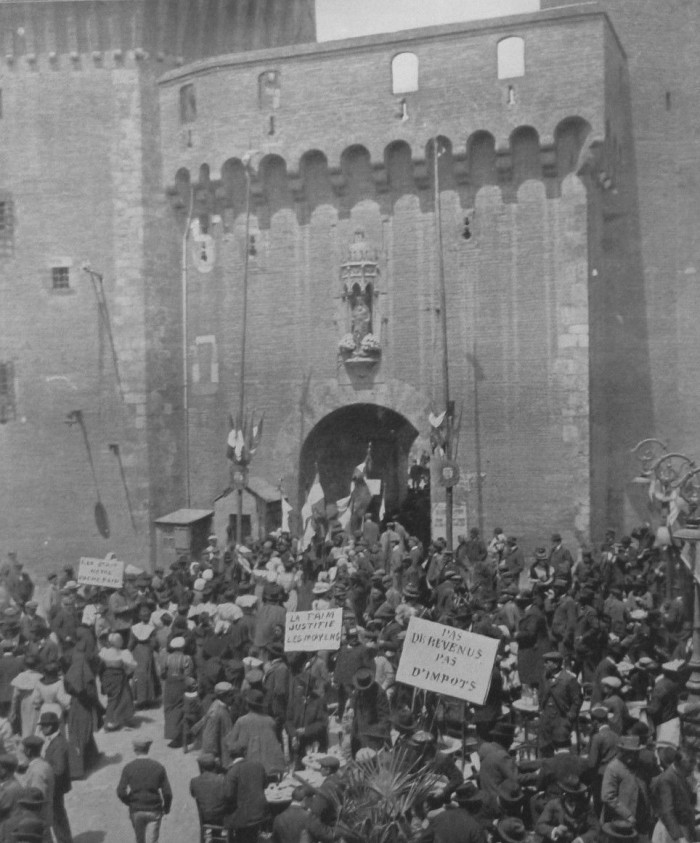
{"x": 511, "y": 58}
{"x": 404, "y": 73}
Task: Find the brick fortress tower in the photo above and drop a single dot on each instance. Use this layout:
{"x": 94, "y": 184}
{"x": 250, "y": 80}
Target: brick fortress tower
{"x": 80, "y": 158}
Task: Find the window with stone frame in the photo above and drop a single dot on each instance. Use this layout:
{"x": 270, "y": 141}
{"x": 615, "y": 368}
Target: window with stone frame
{"x": 8, "y": 409}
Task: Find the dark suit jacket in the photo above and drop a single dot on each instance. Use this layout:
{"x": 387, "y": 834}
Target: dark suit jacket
{"x": 560, "y": 700}
{"x": 209, "y": 792}
{"x": 57, "y": 756}
{"x": 453, "y": 825}
{"x": 288, "y": 826}
{"x": 603, "y": 749}
{"x": 245, "y": 794}
{"x": 674, "y": 801}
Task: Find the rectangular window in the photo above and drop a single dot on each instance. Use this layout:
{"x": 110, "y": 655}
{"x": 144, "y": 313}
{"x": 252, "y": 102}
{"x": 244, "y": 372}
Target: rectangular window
{"x": 188, "y": 104}
{"x": 60, "y": 277}
{"x": 7, "y": 392}
{"x": 7, "y": 228}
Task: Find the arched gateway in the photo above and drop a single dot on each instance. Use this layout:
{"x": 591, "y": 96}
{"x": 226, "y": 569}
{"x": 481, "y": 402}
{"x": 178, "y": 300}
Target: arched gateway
{"x": 332, "y": 427}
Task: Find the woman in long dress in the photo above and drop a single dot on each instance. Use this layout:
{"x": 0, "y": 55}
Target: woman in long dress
{"x": 143, "y": 644}
{"x": 50, "y": 693}
{"x": 23, "y": 715}
{"x": 178, "y": 668}
{"x": 117, "y": 665}
{"x": 85, "y": 710}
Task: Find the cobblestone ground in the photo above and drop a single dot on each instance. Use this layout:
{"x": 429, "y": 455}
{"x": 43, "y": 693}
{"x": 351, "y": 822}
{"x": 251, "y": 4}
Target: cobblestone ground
{"x": 95, "y": 813}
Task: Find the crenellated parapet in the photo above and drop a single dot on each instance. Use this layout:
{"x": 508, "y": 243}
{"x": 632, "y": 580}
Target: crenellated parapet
{"x": 303, "y": 185}
{"x": 184, "y": 30}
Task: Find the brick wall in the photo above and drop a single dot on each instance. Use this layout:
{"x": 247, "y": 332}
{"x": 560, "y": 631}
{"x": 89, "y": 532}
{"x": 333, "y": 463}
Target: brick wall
{"x": 519, "y": 289}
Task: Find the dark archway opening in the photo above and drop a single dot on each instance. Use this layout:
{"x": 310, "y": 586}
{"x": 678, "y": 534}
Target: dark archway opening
{"x": 338, "y": 443}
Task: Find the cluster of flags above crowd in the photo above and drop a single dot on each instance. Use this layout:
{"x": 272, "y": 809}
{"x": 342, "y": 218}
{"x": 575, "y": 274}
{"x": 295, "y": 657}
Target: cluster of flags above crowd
{"x": 318, "y": 515}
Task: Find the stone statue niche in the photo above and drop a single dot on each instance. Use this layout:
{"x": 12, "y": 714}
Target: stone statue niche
{"x": 359, "y": 275}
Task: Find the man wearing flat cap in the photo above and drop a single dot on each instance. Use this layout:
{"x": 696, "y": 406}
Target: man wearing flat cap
{"x": 560, "y": 700}
{"x": 145, "y": 789}
{"x": 55, "y": 752}
{"x": 39, "y": 774}
{"x": 216, "y": 724}
{"x": 624, "y": 793}
{"x": 208, "y": 790}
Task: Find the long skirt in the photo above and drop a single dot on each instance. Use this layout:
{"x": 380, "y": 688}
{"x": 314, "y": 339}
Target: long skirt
{"x": 173, "y": 707}
{"x": 146, "y": 682}
{"x": 82, "y": 749}
{"x": 120, "y": 702}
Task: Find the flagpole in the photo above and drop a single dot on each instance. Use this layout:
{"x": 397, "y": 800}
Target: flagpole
{"x": 244, "y": 327}
{"x": 443, "y": 321}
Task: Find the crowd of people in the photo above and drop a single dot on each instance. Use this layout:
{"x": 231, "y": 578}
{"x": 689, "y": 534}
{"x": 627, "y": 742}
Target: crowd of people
{"x": 579, "y": 738}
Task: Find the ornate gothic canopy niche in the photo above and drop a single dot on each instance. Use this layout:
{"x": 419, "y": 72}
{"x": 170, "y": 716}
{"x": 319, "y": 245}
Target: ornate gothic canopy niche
{"x": 359, "y": 276}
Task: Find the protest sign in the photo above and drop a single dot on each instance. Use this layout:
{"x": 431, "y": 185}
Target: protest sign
{"x": 308, "y": 631}
{"x": 447, "y": 660}
{"x": 106, "y": 573}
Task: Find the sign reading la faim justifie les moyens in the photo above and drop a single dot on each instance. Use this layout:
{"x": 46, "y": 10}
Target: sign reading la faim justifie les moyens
{"x": 447, "y": 661}
{"x": 310, "y": 631}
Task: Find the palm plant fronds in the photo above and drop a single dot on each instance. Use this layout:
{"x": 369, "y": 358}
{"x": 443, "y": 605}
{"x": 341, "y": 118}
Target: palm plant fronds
{"x": 380, "y": 797}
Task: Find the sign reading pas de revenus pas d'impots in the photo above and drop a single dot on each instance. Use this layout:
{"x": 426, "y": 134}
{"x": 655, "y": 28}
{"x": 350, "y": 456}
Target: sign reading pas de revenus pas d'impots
{"x": 309, "y": 631}
{"x": 447, "y": 661}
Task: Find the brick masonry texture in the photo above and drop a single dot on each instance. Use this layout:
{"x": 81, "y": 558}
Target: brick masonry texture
{"x": 578, "y": 286}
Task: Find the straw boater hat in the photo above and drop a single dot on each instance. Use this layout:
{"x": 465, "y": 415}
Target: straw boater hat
{"x": 321, "y": 588}
{"x": 177, "y": 643}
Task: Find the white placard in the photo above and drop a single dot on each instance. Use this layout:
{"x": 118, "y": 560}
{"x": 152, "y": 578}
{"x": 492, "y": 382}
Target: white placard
{"x": 447, "y": 660}
{"x": 438, "y": 527}
{"x": 106, "y": 573}
{"x": 310, "y": 631}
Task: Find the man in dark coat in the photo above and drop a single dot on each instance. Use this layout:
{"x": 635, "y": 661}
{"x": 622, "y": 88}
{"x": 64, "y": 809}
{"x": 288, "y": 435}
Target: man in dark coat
{"x": 665, "y": 695}
{"x": 145, "y": 789}
{"x": 532, "y": 636}
{"x": 208, "y": 790}
{"x": 560, "y": 700}
{"x": 674, "y": 799}
{"x": 245, "y": 795}
{"x": 351, "y": 657}
{"x": 497, "y": 765}
{"x": 602, "y": 749}
{"x": 371, "y": 709}
{"x": 288, "y": 826}
{"x": 560, "y": 559}
{"x": 307, "y": 716}
{"x": 55, "y": 752}
{"x": 570, "y": 816}
{"x": 452, "y": 825}
{"x": 10, "y": 792}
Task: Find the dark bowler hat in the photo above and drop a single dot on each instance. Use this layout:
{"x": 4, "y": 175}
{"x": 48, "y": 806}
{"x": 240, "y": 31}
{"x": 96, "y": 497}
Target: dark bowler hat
{"x": 330, "y": 762}
{"x": 620, "y": 830}
{"x": 33, "y": 742}
{"x": 8, "y": 761}
{"x": 556, "y": 537}
{"x": 503, "y": 731}
{"x": 275, "y": 649}
{"x": 363, "y": 679}
{"x": 511, "y": 830}
{"x": 48, "y": 718}
{"x": 404, "y": 720}
{"x": 572, "y": 785}
{"x": 255, "y": 699}
{"x": 510, "y": 793}
{"x": 141, "y": 743}
{"x": 541, "y": 553}
{"x": 469, "y": 796}
{"x": 561, "y": 736}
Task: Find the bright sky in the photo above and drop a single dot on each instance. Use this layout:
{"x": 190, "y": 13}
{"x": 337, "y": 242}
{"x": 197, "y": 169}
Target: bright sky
{"x": 349, "y": 18}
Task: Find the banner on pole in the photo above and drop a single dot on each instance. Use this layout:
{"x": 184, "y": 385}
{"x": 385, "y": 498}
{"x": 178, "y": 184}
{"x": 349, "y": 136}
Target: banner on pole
{"x": 447, "y": 661}
{"x": 106, "y": 573}
{"x": 309, "y": 631}
{"x": 438, "y": 529}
